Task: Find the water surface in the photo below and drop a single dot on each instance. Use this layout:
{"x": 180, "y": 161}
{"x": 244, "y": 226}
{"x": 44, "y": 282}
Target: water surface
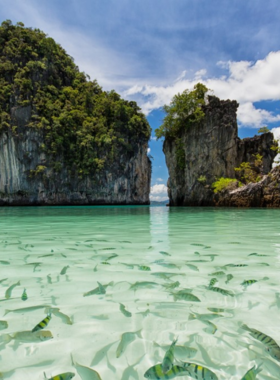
{"x": 136, "y": 259}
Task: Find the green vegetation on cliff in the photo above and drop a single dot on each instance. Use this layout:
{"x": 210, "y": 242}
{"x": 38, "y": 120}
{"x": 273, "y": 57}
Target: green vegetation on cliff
{"x": 86, "y": 126}
{"x": 183, "y": 111}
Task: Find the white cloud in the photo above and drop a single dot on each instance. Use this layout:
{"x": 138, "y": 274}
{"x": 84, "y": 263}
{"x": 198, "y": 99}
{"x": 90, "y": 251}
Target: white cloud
{"x": 148, "y": 150}
{"x": 159, "y": 179}
{"x": 158, "y": 193}
{"x": 246, "y": 82}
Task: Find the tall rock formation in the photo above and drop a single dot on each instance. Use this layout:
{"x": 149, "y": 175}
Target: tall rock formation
{"x": 63, "y": 140}
{"x": 211, "y": 149}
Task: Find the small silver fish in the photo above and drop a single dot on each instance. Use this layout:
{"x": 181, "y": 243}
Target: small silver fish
{"x": 98, "y": 290}
{"x": 124, "y": 311}
{"x": 84, "y": 372}
{"x": 63, "y": 270}
{"x": 8, "y": 292}
{"x": 126, "y": 339}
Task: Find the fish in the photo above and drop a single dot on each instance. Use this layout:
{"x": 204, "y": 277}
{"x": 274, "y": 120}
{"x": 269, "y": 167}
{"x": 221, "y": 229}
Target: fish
{"x": 211, "y": 328}
{"x": 8, "y": 292}
{"x": 219, "y": 274}
{"x": 271, "y": 346}
{"x": 62, "y": 376}
{"x": 169, "y": 265}
{"x": 198, "y": 244}
{"x": 164, "y": 275}
{"x": 124, "y": 311}
{"x": 248, "y": 282}
{"x": 185, "y": 296}
{"x": 63, "y": 270}
{"x": 212, "y": 282}
{"x": 112, "y": 257}
{"x": 130, "y": 371}
{"x": 3, "y": 325}
{"x": 168, "y": 359}
{"x": 256, "y": 254}
{"x": 180, "y": 351}
{"x": 143, "y": 284}
{"x": 144, "y": 267}
{"x": 56, "y": 311}
{"x": 85, "y": 372}
{"x": 173, "y": 285}
{"x": 3, "y": 279}
{"x": 30, "y": 337}
{"x": 47, "y": 255}
{"x": 25, "y": 309}
{"x": 126, "y": 339}
{"x": 99, "y": 290}
{"x": 229, "y": 277}
{"x": 43, "y": 323}
{"x": 198, "y": 372}
{"x": 193, "y": 267}
{"x": 205, "y": 317}
{"x": 236, "y": 265}
{"x": 130, "y": 266}
{"x": 216, "y": 310}
{"x": 224, "y": 292}
{"x": 252, "y": 373}
{"x": 24, "y": 295}
{"x": 164, "y": 253}
{"x": 157, "y": 373}
{"x": 4, "y": 262}
{"x": 100, "y": 354}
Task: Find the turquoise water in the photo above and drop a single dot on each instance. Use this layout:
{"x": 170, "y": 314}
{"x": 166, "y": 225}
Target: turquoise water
{"x": 136, "y": 259}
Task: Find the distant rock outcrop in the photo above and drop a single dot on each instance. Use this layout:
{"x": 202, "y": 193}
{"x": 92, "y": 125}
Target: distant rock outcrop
{"x": 213, "y": 150}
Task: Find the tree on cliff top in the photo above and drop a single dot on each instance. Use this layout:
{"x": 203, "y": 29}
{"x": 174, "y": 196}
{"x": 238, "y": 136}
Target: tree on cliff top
{"x": 183, "y": 110}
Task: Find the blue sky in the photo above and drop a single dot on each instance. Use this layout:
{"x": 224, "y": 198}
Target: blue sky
{"x": 149, "y": 50}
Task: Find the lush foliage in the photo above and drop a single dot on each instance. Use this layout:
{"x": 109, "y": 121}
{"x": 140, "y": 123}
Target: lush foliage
{"x": 86, "y": 126}
{"x": 222, "y": 184}
{"x": 250, "y": 172}
{"x": 184, "y": 110}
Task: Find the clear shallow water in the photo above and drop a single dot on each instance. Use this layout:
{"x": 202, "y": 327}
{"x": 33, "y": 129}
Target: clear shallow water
{"x": 114, "y": 246}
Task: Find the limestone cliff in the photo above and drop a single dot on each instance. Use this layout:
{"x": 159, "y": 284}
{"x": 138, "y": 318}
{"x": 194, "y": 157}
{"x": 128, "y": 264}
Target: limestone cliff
{"x": 63, "y": 140}
{"x": 211, "y": 149}
{"x": 127, "y": 181}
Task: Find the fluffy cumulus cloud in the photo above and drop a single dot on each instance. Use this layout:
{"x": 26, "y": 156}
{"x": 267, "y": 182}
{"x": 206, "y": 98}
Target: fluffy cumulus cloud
{"x": 158, "y": 193}
{"x": 247, "y": 82}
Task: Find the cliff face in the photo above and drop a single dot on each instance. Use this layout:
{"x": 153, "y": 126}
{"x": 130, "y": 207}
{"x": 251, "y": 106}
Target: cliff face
{"x": 63, "y": 140}
{"x": 25, "y": 178}
{"x": 212, "y": 150}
